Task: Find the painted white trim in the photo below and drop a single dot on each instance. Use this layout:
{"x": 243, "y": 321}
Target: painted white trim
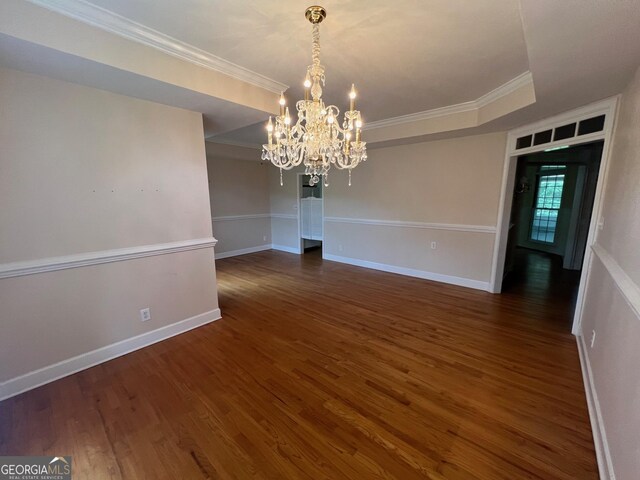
{"x": 301, "y": 241}
{"x": 424, "y": 115}
{"x": 52, "y": 264}
{"x": 505, "y": 89}
{"x": 591, "y": 137}
{"x": 284, "y": 248}
{"x": 596, "y": 212}
{"x": 437, "y": 277}
{"x": 242, "y": 251}
{"x": 603, "y": 454}
{"x": 628, "y": 288}
{"x": 240, "y": 217}
{"x": 522, "y": 80}
{"x": 260, "y": 248}
{"x": 112, "y": 22}
{"x": 575, "y": 115}
{"x": 72, "y": 365}
{"x": 504, "y": 215}
{"x": 607, "y": 107}
{"x": 288, "y": 216}
{"x": 424, "y": 225}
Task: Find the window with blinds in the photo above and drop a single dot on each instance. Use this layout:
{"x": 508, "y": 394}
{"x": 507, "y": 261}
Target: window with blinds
{"x": 548, "y": 199}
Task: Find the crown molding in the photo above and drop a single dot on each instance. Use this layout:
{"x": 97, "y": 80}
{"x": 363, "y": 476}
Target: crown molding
{"x": 112, "y": 22}
{"x": 425, "y": 115}
{"x": 503, "y": 90}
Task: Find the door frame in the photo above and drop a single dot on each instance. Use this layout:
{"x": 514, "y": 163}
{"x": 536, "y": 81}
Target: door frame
{"x": 607, "y": 107}
{"x": 299, "y": 203}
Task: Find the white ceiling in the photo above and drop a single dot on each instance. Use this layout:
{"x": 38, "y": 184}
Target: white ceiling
{"x": 405, "y": 56}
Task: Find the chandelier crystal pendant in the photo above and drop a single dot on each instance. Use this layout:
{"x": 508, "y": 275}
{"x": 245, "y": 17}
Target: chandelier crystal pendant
{"x": 317, "y": 139}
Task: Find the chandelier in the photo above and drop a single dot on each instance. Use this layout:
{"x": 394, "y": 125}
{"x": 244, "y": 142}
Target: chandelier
{"x": 317, "y": 139}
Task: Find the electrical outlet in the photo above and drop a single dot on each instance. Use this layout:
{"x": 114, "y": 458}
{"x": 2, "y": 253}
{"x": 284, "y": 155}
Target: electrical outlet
{"x": 340, "y": 247}
{"x": 593, "y": 337}
{"x": 434, "y": 245}
{"x": 145, "y": 314}
{"x": 264, "y": 238}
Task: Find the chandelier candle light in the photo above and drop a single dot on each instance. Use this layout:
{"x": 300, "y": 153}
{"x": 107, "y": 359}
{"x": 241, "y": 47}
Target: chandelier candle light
{"x": 317, "y": 139}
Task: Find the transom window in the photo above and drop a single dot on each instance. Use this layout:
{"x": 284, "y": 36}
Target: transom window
{"x": 562, "y": 132}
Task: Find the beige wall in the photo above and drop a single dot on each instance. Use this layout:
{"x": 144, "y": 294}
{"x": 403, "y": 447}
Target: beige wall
{"x": 444, "y": 189}
{"x": 454, "y": 181}
{"x": 612, "y": 305}
{"x": 83, "y": 170}
{"x": 86, "y": 170}
{"x": 239, "y": 193}
{"x": 248, "y": 203}
{"x": 454, "y": 184}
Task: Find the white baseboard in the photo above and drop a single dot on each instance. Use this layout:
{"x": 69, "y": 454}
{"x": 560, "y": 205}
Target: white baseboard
{"x": 260, "y": 248}
{"x": 284, "y": 248}
{"x": 72, "y": 365}
{"x": 438, "y": 277}
{"x": 242, "y": 251}
{"x": 603, "y": 454}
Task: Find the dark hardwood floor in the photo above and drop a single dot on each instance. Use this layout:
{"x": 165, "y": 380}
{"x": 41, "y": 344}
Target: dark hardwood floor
{"x": 320, "y": 370}
{"x": 540, "y": 279}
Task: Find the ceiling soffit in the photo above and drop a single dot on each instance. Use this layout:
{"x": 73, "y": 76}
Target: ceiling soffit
{"x": 112, "y": 22}
{"x": 507, "y": 98}
{"x": 513, "y": 95}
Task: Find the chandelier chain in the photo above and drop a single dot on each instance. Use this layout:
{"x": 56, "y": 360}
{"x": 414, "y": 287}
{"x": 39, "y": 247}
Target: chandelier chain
{"x": 315, "y": 46}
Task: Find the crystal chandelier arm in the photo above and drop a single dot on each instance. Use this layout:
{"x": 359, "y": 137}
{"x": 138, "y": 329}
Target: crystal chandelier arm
{"x": 319, "y": 139}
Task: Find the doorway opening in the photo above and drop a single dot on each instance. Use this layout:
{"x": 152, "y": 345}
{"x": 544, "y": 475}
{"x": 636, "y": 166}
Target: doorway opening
{"x": 551, "y": 211}
{"x": 311, "y": 208}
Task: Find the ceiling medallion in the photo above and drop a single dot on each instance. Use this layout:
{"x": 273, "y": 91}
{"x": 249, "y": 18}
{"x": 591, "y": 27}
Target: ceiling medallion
{"x": 317, "y": 139}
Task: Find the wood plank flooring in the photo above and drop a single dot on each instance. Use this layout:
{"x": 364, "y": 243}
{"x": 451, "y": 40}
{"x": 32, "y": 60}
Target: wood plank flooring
{"x": 320, "y": 370}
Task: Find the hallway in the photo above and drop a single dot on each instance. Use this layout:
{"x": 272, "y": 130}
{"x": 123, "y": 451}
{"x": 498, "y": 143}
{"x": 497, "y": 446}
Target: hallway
{"x": 550, "y": 290}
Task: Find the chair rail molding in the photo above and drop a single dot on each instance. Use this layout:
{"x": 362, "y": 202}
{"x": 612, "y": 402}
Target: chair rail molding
{"x": 423, "y": 225}
{"x": 52, "y": 264}
{"x": 628, "y": 288}
{"x": 227, "y": 218}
